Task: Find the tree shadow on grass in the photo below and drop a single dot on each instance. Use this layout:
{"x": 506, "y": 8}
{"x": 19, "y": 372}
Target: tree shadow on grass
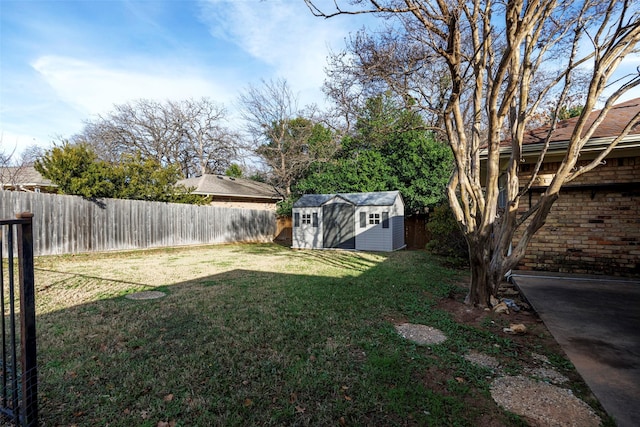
{"x": 249, "y": 348}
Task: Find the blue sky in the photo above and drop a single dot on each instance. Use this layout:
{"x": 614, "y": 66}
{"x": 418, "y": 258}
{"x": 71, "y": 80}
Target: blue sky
{"x": 64, "y": 61}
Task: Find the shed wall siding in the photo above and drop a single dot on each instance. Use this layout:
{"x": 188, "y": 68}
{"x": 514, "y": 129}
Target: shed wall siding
{"x": 306, "y": 236}
{"x": 372, "y": 237}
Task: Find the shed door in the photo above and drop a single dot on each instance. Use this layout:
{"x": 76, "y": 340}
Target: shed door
{"x": 338, "y": 221}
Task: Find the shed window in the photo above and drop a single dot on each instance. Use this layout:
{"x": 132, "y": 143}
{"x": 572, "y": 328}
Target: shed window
{"x": 385, "y": 219}
{"x": 374, "y": 218}
{"x": 306, "y": 218}
{"x": 315, "y": 219}
{"x": 296, "y": 219}
{"x": 363, "y": 220}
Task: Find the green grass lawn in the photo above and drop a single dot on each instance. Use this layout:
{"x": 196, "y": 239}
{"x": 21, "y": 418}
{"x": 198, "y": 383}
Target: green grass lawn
{"x": 256, "y": 335}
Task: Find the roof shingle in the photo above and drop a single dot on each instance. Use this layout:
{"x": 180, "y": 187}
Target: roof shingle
{"x": 220, "y": 185}
{"x": 613, "y": 124}
{"x": 379, "y": 198}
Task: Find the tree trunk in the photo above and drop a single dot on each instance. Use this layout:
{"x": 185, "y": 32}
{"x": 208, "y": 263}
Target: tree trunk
{"x": 486, "y": 274}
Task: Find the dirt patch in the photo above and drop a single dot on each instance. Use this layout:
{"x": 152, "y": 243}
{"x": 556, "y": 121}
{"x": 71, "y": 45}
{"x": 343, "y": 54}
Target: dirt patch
{"x": 539, "y": 394}
{"x": 463, "y": 313}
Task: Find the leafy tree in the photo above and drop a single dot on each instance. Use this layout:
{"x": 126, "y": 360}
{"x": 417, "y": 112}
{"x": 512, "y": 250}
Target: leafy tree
{"x": 369, "y": 171}
{"x": 389, "y": 150}
{"x": 567, "y": 112}
{"x": 420, "y": 165}
{"x": 138, "y": 178}
{"x": 76, "y": 169}
{"x": 234, "y": 170}
{"x": 497, "y": 58}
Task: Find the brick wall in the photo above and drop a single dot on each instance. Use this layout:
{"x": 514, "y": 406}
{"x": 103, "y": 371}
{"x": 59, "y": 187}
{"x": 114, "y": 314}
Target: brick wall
{"x": 594, "y": 229}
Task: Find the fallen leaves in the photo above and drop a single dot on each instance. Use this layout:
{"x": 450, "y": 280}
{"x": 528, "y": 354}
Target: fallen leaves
{"x": 516, "y": 328}
{"x": 344, "y": 389}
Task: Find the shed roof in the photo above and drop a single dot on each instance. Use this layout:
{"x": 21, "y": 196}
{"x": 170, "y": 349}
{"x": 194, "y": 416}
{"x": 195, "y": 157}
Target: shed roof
{"x": 379, "y": 198}
{"x": 220, "y": 185}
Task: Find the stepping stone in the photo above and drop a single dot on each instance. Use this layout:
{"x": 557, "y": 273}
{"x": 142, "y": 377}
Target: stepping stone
{"x": 482, "y": 359}
{"x": 421, "y": 334}
{"x": 546, "y": 404}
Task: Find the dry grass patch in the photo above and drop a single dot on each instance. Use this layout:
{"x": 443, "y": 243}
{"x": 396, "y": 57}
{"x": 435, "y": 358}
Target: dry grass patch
{"x": 256, "y": 335}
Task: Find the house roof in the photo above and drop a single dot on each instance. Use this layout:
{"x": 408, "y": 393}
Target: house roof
{"x": 617, "y": 118}
{"x": 613, "y": 124}
{"x": 220, "y": 185}
{"x": 23, "y": 176}
{"x": 380, "y": 198}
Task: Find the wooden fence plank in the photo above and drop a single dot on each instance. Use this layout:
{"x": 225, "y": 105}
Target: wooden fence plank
{"x": 71, "y": 224}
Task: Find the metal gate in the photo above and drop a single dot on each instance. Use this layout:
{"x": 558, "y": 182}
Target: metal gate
{"x": 18, "y": 367}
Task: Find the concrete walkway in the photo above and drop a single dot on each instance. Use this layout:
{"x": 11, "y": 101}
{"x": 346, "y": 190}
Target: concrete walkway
{"x": 596, "y": 321}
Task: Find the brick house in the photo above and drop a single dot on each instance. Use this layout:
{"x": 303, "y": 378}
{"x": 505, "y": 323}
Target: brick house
{"x": 594, "y": 226}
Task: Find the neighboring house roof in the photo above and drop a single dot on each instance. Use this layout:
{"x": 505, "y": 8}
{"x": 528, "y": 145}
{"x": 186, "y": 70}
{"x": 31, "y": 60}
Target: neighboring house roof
{"x": 220, "y": 185}
{"x": 380, "y": 198}
{"x": 617, "y": 118}
{"x": 23, "y": 177}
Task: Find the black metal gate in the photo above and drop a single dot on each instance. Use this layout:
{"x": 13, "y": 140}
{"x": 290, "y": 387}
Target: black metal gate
{"x": 18, "y": 367}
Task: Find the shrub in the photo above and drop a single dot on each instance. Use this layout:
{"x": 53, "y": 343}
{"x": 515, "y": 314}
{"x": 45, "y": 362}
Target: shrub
{"x": 447, "y": 239}
{"x": 285, "y": 207}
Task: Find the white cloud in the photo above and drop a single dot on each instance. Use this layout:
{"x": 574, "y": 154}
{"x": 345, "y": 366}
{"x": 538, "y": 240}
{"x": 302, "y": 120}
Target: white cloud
{"x": 284, "y": 35}
{"x": 94, "y": 89}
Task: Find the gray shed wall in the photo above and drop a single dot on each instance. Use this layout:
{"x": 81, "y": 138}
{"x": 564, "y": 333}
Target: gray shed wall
{"x": 371, "y": 237}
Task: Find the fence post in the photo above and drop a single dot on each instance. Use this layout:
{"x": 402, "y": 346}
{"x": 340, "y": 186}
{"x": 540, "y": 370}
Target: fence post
{"x": 28, "y": 320}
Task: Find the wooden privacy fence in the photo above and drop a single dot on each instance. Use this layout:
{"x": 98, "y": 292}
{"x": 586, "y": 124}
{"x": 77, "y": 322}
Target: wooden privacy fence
{"x": 71, "y": 224}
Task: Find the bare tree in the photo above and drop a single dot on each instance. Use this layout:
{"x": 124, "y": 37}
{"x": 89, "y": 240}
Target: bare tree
{"x": 5, "y": 158}
{"x": 31, "y": 154}
{"x": 190, "y": 133}
{"x": 498, "y": 56}
{"x": 12, "y": 166}
{"x": 285, "y": 137}
{"x": 390, "y": 61}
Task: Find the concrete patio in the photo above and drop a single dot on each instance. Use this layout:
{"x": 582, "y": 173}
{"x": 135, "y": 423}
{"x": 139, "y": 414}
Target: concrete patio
{"x": 596, "y": 320}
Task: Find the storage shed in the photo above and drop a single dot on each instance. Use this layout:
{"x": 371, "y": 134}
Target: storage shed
{"x": 360, "y": 221}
